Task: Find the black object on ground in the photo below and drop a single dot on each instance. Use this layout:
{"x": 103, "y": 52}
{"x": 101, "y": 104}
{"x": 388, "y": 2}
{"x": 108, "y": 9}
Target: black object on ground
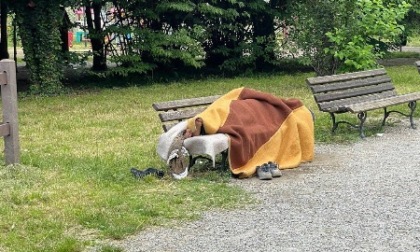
{"x": 149, "y": 171}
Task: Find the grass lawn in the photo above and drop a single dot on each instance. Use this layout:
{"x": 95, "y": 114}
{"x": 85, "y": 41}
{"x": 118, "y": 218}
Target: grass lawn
{"x": 74, "y": 189}
{"x": 414, "y": 40}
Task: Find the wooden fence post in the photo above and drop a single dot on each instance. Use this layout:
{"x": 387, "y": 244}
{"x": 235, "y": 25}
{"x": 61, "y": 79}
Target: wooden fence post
{"x": 9, "y": 128}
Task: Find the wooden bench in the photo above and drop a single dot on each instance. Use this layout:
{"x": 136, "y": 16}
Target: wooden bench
{"x": 358, "y": 93}
{"x": 173, "y": 112}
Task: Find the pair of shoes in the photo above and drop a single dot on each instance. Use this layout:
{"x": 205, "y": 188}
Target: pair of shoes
{"x": 268, "y": 171}
{"x": 149, "y": 171}
{"x": 274, "y": 169}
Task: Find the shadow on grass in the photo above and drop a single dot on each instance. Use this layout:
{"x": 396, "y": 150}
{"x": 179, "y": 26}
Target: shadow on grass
{"x": 85, "y": 79}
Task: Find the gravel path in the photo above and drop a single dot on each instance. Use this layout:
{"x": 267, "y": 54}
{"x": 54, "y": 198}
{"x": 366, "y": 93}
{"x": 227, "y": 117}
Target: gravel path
{"x": 358, "y": 197}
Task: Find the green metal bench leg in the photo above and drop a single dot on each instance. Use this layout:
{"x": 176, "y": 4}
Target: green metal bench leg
{"x": 412, "y": 105}
{"x": 362, "y": 117}
{"x": 335, "y": 124}
{"x": 386, "y": 114}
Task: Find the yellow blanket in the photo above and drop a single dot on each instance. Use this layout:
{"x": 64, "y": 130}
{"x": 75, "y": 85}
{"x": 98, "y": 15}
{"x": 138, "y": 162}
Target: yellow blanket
{"x": 261, "y": 128}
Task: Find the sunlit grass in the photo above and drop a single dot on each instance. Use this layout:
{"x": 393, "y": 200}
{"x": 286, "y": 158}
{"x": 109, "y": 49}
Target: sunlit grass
{"x": 414, "y": 40}
{"x": 398, "y": 54}
{"x": 74, "y": 186}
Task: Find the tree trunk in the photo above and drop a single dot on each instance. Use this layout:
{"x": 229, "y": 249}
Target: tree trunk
{"x": 263, "y": 28}
{"x": 213, "y": 58}
{"x": 64, "y": 35}
{"x": 95, "y": 35}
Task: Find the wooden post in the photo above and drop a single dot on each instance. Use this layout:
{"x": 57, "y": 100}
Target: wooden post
{"x": 10, "y": 111}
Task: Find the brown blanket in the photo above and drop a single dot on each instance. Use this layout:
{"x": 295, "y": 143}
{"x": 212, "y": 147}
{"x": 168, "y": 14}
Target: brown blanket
{"x": 261, "y": 128}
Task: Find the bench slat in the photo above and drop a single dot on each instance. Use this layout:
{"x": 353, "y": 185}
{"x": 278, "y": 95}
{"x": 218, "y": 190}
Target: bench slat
{"x": 176, "y": 104}
{"x": 344, "y": 77}
{"x": 354, "y": 92}
{"x": 180, "y": 114}
{"x": 172, "y": 112}
{"x": 395, "y": 100}
{"x": 336, "y": 86}
{"x": 338, "y": 105}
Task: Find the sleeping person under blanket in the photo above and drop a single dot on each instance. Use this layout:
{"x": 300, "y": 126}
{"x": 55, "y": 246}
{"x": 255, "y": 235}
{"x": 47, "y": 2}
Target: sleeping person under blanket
{"x": 261, "y": 128}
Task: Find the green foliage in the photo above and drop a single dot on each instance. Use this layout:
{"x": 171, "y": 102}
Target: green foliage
{"x": 347, "y": 35}
{"x": 412, "y": 20}
{"x": 230, "y": 35}
{"x": 142, "y": 36}
{"x": 315, "y": 19}
{"x": 150, "y": 34}
{"x": 176, "y": 6}
{"x": 39, "y": 30}
{"x": 241, "y": 37}
{"x": 415, "y": 5}
{"x": 374, "y": 20}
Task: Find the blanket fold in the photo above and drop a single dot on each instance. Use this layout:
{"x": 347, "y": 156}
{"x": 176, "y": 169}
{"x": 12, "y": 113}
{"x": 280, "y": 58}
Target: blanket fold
{"x": 261, "y": 128}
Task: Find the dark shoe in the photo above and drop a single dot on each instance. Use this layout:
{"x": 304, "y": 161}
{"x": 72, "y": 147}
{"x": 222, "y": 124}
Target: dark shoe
{"x": 263, "y": 172}
{"x": 274, "y": 169}
{"x": 155, "y": 172}
{"x": 137, "y": 173}
{"x": 149, "y": 171}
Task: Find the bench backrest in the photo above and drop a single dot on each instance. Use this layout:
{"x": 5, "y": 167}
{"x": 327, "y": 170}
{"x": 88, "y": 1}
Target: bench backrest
{"x": 333, "y": 91}
{"x": 172, "y": 112}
